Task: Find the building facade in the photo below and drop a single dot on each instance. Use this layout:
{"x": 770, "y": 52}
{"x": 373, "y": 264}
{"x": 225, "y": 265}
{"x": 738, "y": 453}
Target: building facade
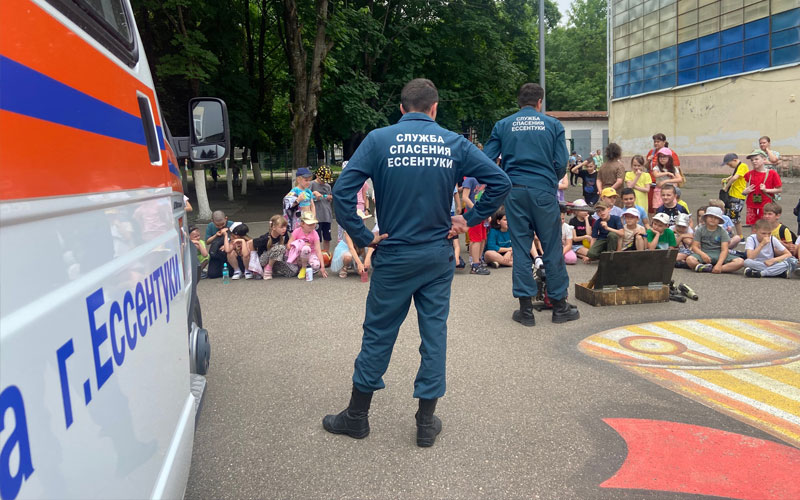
{"x": 585, "y": 131}
{"x": 712, "y": 75}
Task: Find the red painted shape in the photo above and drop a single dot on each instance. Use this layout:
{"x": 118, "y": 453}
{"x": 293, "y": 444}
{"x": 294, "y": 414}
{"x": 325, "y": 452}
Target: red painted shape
{"x": 670, "y": 456}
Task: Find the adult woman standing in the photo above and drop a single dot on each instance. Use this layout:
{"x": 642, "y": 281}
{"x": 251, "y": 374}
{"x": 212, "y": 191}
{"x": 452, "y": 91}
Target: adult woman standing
{"x": 612, "y": 171}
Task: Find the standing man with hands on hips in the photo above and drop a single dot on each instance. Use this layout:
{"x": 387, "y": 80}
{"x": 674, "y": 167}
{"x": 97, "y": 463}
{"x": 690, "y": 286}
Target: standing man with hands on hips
{"x": 414, "y": 166}
{"x": 534, "y": 155}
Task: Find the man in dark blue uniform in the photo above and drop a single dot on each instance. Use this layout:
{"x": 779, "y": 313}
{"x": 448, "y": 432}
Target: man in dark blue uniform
{"x": 534, "y": 155}
{"x": 414, "y": 166}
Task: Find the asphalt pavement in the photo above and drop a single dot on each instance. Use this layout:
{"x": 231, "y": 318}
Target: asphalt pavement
{"x": 524, "y": 410}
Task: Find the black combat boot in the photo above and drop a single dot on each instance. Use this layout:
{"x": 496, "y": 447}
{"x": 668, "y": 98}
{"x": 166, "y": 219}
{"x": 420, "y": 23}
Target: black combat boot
{"x": 563, "y": 311}
{"x": 428, "y": 425}
{"x": 353, "y": 420}
{"x": 524, "y": 315}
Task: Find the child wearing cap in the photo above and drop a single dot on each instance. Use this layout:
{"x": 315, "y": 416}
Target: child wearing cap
{"x": 321, "y": 190}
{"x": 710, "y": 247}
{"x": 609, "y": 196}
{"x": 762, "y": 185}
{"x": 634, "y": 235}
{"x": 660, "y": 236}
{"x": 606, "y": 232}
{"x": 734, "y": 184}
{"x": 581, "y": 228}
{"x": 302, "y": 191}
{"x": 304, "y": 247}
{"x": 685, "y": 237}
{"x": 766, "y": 255}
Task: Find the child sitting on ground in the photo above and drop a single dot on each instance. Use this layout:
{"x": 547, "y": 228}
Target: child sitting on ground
{"x": 727, "y": 223}
{"x": 346, "y": 254}
{"x": 660, "y": 236}
{"x": 700, "y": 213}
{"x": 634, "y": 236}
{"x": 772, "y": 214}
{"x": 304, "y": 247}
{"x": 498, "y": 242}
{"x": 566, "y": 242}
{"x": 710, "y": 247}
{"x": 321, "y": 189}
{"x": 271, "y": 249}
{"x": 238, "y": 248}
{"x": 629, "y": 201}
{"x": 685, "y": 237}
{"x": 300, "y": 199}
{"x": 202, "y": 251}
{"x": 766, "y": 255}
{"x": 606, "y": 232}
{"x": 581, "y": 228}
{"x": 670, "y": 205}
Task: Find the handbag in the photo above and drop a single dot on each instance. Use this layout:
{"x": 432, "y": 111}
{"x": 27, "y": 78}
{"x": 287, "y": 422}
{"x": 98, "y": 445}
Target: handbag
{"x": 725, "y": 197}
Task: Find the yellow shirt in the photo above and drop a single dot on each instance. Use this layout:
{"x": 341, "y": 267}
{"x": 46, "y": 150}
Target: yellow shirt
{"x": 739, "y": 184}
{"x": 684, "y": 205}
{"x": 644, "y": 181}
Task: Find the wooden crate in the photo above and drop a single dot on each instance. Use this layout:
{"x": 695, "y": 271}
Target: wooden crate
{"x": 620, "y": 296}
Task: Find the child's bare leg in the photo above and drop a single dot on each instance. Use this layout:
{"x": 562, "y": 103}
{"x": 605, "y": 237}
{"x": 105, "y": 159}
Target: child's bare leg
{"x": 733, "y": 266}
{"x": 508, "y": 259}
{"x": 233, "y": 262}
{"x": 619, "y": 245}
{"x": 475, "y": 252}
{"x": 691, "y": 262}
{"x": 492, "y": 256}
{"x": 735, "y": 240}
{"x": 681, "y": 257}
{"x": 457, "y": 249}
{"x": 641, "y": 244}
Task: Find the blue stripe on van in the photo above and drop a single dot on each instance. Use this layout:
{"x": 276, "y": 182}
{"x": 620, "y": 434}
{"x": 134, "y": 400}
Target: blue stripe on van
{"x": 30, "y": 93}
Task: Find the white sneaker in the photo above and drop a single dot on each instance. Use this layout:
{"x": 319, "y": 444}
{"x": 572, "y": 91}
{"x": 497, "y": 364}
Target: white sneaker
{"x": 236, "y": 275}
{"x": 248, "y": 275}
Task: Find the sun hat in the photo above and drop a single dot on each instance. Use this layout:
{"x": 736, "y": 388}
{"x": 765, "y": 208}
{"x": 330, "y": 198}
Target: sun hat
{"x": 324, "y": 173}
{"x": 756, "y": 152}
{"x": 308, "y": 218}
{"x": 665, "y": 151}
{"x": 608, "y": 192}
{"x": 631, "y": 211}
{"x": 682, "y": 220}
{"x": 662, "y": 217}
{"x": 714, "y": 212}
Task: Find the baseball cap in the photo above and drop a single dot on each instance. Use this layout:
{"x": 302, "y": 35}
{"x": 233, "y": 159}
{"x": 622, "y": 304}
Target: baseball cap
{"x": 308, "y": 218}
{"x": 682, "y": 220}
{"x": 579, "y": 204}
{"x": 631, "y": 211}
{"x": 728, "y": 157}
{"x": 662, "y": 217}
{"x": 608, "y": 192}
{"x": 714, "y": 212}
{"x": 303, "y": 172}
{"x": 756, "y": 152}
{"x": 601, "y": 204}
{"x": 665, "y": 151}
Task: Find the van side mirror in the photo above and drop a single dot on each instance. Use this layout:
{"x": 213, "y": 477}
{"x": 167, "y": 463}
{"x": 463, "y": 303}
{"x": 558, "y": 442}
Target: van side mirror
{"x": 209, "y": 134}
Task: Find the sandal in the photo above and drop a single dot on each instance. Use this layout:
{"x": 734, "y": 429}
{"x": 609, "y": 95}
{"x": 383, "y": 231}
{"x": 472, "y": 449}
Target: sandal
{"x": 343, "y": 273}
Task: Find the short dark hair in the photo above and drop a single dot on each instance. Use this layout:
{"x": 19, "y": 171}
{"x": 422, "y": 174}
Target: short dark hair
{"x": 613, "y": 151}
{"x": 419, "y": 95}
{"x": 530, "y": 94}
{"x": 669, "y": 187}
{"x": 764, "y": 137}
{"x": 772, "y": 207}
{"x": 762, "y": 225}
{"x": 659, "y": 137}
{"x": 627, "y": 191}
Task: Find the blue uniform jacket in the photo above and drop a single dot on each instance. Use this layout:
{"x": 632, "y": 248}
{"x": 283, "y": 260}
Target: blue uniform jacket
{"x": 534, "y": 151}
{"x": 414, "y": 165}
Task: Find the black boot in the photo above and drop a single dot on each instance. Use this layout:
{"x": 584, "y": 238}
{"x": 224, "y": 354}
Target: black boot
{"x": 428, "y": 425}
{"x": 524, "y": 315}
{"x": 352, "y": 421}
{"x": 563, "y": 311}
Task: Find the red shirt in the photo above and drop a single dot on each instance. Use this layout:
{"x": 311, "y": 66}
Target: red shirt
{"x": 770, "y": 179}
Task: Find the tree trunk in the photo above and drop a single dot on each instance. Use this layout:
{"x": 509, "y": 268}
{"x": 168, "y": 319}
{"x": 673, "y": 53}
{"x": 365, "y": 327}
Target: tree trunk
{"x": 199, "y": 178}
{"x": 244, "y": 172}
{"x": 184, "y": 175}
{"x": 229, "y": 178}
{"x": 256, "y": 168}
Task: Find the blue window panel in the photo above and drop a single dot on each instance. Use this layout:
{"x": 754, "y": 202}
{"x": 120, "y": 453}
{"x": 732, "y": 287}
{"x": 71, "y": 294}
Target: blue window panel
{"x": 709, "y": 42}
{"x": 759, "y": 44}
{"x": 650, "y": 85}
{"x": 621, "y": 67}
{"x": 668, "y": 54}
{"x": 731, "y": 51}
{"x": 709, "y": 72}
{"x": 687, "y": 62}
{"x": 621, "y": 91}
{"x": 688, "y": 76}
{"x": 687, "y": 48}
{"x": 667, "y": 81}
{"x": 651, "y": 58}
{"x": 785, "y": 20}
{"x": 731, "y": 67}
{"x": 709, "y": 56}
{"x": 621, "y": 79}
{"x": 666, "y": 68}
{"x": 636, "y": 63}
{"x": 731, "y": 35}
{"x": 785, "y": 37}
{"x": 756, "y": 28}
{"x": 756, "y": 61}
{"x": 786, "y": 55}
{"x": 651, "y": 72}
{"x": 635, "y": 88}
{"x": 636, "y": 75}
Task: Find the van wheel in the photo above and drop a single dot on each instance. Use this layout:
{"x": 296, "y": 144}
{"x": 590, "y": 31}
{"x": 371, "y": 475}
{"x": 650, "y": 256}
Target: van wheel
{"x": 202, "y": 345}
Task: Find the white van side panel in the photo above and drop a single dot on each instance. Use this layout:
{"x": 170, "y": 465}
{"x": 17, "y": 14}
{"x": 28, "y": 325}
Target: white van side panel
{"x": 94, "y": 346}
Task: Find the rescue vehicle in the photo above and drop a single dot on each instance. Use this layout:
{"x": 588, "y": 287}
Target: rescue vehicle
{"x": 102, "y": 350}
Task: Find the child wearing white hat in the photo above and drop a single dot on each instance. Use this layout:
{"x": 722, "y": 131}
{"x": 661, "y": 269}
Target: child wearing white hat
{"x": 710, "y": 247}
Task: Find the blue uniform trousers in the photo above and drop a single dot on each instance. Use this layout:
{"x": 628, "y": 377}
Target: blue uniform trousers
{"x": 424, "y": 272}
{"x": 532, "y": 211}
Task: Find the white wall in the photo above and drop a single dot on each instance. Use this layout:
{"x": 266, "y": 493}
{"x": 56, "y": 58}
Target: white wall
{"x": 596, "y": 128}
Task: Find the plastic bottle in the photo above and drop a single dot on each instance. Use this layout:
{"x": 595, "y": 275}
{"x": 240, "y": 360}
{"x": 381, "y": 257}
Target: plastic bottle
{"x": 226, "y": 277}
{"x": 309, "y": 273}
